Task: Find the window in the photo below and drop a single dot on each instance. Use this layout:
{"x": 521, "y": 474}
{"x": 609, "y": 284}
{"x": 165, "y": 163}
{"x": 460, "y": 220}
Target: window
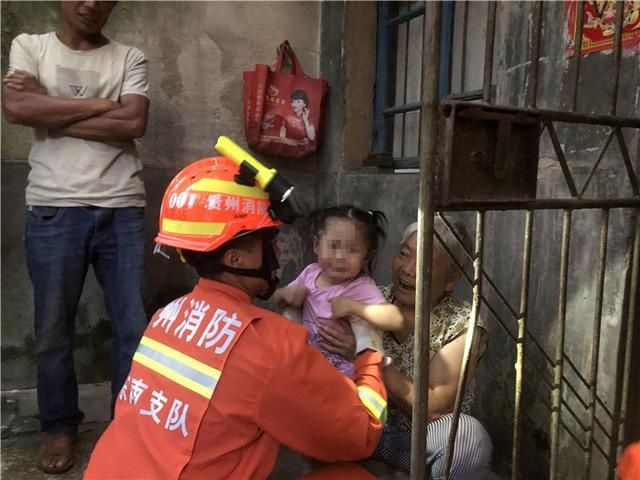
{"x": 399, "y": 70}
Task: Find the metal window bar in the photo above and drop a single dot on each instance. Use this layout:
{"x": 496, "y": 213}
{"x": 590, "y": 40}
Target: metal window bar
{"x": 625, "y": 341}
{"x": 563, "y": 116}
{"x": 488, "y": 51}
{"x": 595, "y": 345}
{"x": 428, "y": 125}
{"x": 384, "y": 65}
{"x": 463, "y": 61}
{"x": 520, "y": 344}
{"x": 446, "y": 46}
{"x": 560, "y": 334}
{"x": 577, "y": 56}
{"x": 469, "y": 342}
{"x": 405, "y": 17}
{"x": 617, "y": 56}
{"x": 535, "y": 55}
{"x": 403, "y": 129}
{"x": 631, "y": 318}
{"x": 561, "y": 158}
{"x": 597, "y": 163}
{"x": 627, "y": 162}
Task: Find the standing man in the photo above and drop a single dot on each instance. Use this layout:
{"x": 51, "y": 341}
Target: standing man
{"x": 86, "y": 98}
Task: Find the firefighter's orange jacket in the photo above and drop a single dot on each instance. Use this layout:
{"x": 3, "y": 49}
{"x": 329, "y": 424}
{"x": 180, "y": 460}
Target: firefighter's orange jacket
{"x": 274, "y": 389}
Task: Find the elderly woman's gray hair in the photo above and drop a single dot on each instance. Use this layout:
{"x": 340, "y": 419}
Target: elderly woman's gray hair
{"x": 455, "y": 247}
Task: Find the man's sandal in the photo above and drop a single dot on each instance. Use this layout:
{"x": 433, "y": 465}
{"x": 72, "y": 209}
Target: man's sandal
{"x": 57, "y": 453}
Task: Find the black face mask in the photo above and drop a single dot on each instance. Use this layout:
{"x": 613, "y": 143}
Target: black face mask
{"x": 269, "y": 265}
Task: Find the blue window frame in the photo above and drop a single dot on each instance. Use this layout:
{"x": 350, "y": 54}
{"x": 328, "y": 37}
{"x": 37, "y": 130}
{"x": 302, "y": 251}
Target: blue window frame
{"x": 398, "y": 75}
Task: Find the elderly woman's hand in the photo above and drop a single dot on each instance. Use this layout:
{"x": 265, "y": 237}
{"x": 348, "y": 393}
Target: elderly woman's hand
{"x": 340, "y": 341}
{"x": 341, "y": 307}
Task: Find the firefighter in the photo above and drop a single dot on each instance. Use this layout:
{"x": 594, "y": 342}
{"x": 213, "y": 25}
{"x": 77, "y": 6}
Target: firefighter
{"x": 217, "y": 383}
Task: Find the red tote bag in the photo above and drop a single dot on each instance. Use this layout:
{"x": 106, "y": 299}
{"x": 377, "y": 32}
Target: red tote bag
{"x": 283, "y": 111}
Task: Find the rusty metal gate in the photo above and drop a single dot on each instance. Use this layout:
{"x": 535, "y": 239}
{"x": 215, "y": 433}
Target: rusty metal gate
{"x": 484, "y": 159}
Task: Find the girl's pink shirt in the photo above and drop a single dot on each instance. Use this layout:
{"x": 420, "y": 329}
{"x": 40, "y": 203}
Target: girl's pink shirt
{"x": 317, "y": 309}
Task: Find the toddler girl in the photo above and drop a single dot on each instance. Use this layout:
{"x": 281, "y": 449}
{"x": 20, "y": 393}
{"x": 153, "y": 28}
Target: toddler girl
{"x": 338, "y": 286}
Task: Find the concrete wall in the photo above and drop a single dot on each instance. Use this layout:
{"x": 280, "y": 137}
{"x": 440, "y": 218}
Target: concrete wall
{"x": 197, "y": 52}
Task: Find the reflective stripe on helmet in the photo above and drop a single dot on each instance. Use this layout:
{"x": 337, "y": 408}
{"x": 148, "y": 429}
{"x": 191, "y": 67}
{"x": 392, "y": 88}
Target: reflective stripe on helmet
{"x": 192, "y": 228}
{"x": 178, "y": 367}
{"x": 376, "y": 405}
{"x": 213, "y": 185}
{"x": 204, "y": 207}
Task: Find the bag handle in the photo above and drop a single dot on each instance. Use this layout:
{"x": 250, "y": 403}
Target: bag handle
{"x": 285, "y": 49}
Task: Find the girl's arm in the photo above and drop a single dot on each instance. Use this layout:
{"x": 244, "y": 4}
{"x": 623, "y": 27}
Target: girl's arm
{"x": 444, "y": 371}
{"x": 291, "y": 296}
{"x": 383, "y": 316}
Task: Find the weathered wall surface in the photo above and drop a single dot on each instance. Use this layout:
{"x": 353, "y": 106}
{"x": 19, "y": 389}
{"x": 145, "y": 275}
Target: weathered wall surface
{"x": 197, "y": 52}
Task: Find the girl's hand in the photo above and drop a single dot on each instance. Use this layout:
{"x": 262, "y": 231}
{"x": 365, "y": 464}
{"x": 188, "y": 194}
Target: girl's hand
{"x": 294, "y": 295}
{"x": 305, "y": 115}
{"x": 341, "y": 307}
{"x": 340, "y": 341}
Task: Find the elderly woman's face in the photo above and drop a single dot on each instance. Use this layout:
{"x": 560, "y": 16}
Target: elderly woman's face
{"x": 404, "y": 272}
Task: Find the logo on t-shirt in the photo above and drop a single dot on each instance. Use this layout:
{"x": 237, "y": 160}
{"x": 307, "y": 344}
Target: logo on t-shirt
{"x": 77, "y": 83}
{"x": 78, "y": 90}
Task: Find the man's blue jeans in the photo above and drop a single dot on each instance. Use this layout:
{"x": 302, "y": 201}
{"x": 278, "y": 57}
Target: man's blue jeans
{"x": 61, "y": 243}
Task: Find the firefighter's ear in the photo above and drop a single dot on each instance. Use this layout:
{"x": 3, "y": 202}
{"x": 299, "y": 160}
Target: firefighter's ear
{"x": 232, "y": 258}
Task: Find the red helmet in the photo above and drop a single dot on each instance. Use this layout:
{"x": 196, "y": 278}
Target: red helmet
{"x": 204, "y": 207}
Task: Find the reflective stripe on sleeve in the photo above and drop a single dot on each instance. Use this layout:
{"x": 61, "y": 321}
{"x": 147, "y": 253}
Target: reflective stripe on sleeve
{"x": 178, "y": 367}
{"x": 376, "y": 405}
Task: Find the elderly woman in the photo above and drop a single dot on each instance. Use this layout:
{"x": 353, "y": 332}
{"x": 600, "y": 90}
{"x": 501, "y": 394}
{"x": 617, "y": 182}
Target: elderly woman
{"x": 449, "y": 317}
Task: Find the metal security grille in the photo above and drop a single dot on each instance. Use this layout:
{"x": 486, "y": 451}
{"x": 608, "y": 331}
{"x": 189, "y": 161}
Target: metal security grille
{"x": 498, "y": 147}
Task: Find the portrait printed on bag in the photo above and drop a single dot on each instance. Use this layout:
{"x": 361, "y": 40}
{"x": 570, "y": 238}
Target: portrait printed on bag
{"x": 290, "y": 120}
{"x": 297, "y": 126}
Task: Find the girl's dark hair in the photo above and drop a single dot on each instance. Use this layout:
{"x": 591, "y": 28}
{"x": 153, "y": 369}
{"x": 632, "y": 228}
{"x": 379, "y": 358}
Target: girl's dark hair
{"x": 300, "y": 95}
{"x": 371, "y": 222}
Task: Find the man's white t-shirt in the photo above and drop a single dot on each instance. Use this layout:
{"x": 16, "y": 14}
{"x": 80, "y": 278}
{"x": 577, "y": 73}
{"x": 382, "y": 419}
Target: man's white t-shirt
{"x": 68, "y": 171}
